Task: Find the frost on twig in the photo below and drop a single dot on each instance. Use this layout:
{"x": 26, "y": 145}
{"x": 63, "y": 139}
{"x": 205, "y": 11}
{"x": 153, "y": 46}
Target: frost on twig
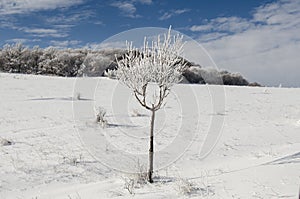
{"x": 159, "y": 63}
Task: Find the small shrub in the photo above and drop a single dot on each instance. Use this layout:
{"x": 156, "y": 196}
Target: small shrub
{"x": 5, "y": 142}
{"x": 100, "y": 117}
{"x": 77, "y": 196}
{"x": 185, "y": 187}
{"x": 136, "y": 113}
{"x": 74, "y": 161}
{"x": 136, "y": 180}
{"x": 77, "y": 96}
{"x": 129, "y": 185}
{"x": 141, "y": 176}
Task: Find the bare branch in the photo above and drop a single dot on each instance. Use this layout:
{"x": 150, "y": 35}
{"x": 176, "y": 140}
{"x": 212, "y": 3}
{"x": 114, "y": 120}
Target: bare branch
{"x": 141, "y": 101}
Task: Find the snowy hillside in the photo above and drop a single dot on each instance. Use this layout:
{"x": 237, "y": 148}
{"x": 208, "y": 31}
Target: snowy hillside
{"x": 51, "y": 147}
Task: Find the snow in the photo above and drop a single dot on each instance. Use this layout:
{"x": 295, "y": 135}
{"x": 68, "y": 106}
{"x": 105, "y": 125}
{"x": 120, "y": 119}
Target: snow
{"x": 58, "y": 150}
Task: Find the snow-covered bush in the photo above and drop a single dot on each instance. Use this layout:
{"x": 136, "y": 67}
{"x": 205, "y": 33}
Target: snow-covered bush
{"x": 233, "y": 79}
{"x": 60, "y": 62}
{"x": 67, "y": 64}
{"x": 211, "y": 76}
{"x": 1, "y": 60}
{"x": 254, "y": 84}
{"x": 193, "y": 75}
{"x": 34, "y": 58}
{"x": 95, "y": 65}
{"x": 48, "y": 61}
{"x": 110, "y": 74}
{"x": 196, "y": 74}
{"x": 21, "y": 59}
{"x": 14, "y": 57}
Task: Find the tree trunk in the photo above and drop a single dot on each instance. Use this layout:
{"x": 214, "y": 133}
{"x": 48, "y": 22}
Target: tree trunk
{"x": 151, "y": 149}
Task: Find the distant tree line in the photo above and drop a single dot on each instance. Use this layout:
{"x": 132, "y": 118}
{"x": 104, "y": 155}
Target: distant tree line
{"x": 17, "y": 58}
{"x": 198, "y": 75}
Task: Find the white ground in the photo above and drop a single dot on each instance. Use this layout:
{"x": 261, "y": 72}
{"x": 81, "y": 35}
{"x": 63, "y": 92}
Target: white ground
{"x": 257, "y": 156}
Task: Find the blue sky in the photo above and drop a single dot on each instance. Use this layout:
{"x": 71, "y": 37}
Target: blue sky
{"x": 39, "y": 22}
{"x": 258, "y": 38}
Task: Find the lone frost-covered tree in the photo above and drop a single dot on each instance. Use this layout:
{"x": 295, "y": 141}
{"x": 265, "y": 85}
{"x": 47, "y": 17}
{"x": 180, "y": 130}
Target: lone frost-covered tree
{"x": 159, "y": 66}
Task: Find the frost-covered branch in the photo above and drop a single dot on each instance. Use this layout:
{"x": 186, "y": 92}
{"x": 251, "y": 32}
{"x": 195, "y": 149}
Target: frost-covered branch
{"x": 158, "y": 63}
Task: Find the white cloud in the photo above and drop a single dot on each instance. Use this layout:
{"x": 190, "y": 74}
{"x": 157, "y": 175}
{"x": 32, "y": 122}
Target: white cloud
{"x": 63, "y": 26}
{"x": 41, "y": 31}
{"x": 8, "y": 7}
{"x": 7, "y": 22}
{"x": 21, "y": 40}
{"x": 98, "y": 22}
{"x": 44, "y": 32}
{"x": 128, "y": 9}
{"x": 57, "y": 26}
{"x": 106, "y": 45}
{"x": 17, "y": 40}
{"x": 264, "y": 48}
{"x": 212, "y": 36}
{"x": 173, "y": 13}
{"x": 200, "y": 28}
{"x": 59, "y": 30}
{"x": 226, "y": 24}
{"x": 71, "y": 18}
{"x": 65, "y": 44}
{"x": 148, "y": 2}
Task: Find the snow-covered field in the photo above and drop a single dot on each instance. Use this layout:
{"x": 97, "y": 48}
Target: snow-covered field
{"x": 58, "y": 151}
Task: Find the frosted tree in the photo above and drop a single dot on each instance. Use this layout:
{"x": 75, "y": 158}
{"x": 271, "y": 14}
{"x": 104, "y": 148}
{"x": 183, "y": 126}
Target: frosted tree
{"x": 95, "y": 64}
{"x": 13, "y": 57}
{"x": 158, "y": 65}
{"x": 48, "y": 61}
